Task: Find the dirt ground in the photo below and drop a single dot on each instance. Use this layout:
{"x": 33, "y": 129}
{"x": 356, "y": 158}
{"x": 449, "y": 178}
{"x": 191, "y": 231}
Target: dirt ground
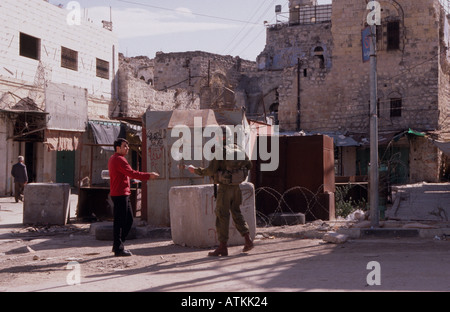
{"x": 69, "y": 258}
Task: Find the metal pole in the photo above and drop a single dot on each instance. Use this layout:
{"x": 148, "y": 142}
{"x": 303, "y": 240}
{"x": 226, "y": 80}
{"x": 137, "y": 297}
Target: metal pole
{"x": 374, "y": 176}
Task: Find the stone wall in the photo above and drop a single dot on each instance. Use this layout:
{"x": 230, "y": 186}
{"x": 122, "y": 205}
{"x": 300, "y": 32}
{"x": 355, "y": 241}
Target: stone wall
{"x": 444, "y": 78}
{"x": 137, "y": 93}
{"x": 169, "y": 69}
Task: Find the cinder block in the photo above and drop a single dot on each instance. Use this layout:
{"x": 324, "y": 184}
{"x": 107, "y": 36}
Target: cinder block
{"x": 105, "y": 232}
{"x": 335, "y": 238}
{"x": 46, "y": 203}
{"x": 287, "y": 218}
{"x": 192, "y": 217}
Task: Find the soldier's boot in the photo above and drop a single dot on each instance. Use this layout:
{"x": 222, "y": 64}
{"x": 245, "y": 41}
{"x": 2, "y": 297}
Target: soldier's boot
{"x": 222, "y": 250}
{"x": 248, "y": 243}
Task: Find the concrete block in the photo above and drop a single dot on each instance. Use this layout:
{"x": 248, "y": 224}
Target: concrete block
{"x": 389, "y": 233}
{"x": 104, "y": 231}
{"x": 287, "y": 218}
{"x": 46, "y": 203}
{"x": 192, "y": 217}
{"x": 335, "y": 238}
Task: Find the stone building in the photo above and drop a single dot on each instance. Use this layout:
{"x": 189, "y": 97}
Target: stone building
{"x": 57, "y": 71}
{"x": 213, "y": 77}
{"x": 311, "y": 74}
{"x": 182, "y": 80}
{"x": 138, "y": 93}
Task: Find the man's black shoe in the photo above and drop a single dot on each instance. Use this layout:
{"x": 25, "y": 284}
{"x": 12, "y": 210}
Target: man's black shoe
{"x": 123, "y": 253}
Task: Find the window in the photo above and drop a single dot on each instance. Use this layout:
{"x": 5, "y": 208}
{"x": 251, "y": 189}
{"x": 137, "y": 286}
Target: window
{"x": 393, "y": 35}
{"x": 102, "y": 69}
{"x": 396, "y": 107}
{"x": 388, "y": 36}
{"x": 318, "y": 54}
{"x": 69, "y": 59}
{"x": 29, "y": 46}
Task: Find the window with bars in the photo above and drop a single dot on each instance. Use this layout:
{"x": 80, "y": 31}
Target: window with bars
{"x": 69, "y": 59}
{"x": 102, "y": 69}
{"x": 388, "y": 36}
{"x": 393, "y": 35}
{"x": 396, "y": 107}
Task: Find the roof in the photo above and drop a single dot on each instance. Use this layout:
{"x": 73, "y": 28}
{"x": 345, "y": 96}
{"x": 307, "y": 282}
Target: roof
{"x": 156, "y": 120}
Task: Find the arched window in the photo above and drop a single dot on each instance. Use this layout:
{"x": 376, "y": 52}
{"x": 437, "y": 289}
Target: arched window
{"x": 318, "y": 53}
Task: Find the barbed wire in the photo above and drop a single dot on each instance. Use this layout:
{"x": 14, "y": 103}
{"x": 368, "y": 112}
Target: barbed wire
{"x": 309, "y": 202}
{"x": 273, "y": 205}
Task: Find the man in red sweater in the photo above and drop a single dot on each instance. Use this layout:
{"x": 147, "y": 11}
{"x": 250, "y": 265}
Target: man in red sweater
{"x": 120, "y": 173}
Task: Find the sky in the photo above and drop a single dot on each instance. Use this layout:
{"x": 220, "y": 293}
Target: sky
{"x": 226, "y": 27}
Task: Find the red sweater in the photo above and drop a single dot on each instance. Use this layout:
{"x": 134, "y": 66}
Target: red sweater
{"x": 120, "y": 173}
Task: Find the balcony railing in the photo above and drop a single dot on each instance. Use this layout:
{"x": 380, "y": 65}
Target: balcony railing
{"x": 305, "y": 15}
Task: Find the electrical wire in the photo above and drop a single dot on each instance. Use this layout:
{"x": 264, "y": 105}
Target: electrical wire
{"x": 232, "y": 48}
{"x": 193, "y": 13}
{"x": 241, "y": 30}
{"x": 257, "y": 36}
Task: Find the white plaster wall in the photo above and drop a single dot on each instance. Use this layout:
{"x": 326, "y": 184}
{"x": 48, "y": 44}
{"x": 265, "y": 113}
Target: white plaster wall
{"x": 42, "y": 20}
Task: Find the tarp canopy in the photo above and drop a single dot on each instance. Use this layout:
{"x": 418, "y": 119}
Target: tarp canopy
{"x": 342, "y": 140}
{"x": 106, "y": 132}
{"x": 444, "y": 147}
{"x": 62, "y": 140}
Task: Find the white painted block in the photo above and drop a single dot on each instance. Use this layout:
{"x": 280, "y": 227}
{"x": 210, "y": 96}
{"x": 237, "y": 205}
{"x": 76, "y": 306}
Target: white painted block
{"x": 192, "y": 217}
{"x": 46, "y": 203}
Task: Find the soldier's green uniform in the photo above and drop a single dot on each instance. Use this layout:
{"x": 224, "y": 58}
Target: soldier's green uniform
{"x": 229, "y": 196}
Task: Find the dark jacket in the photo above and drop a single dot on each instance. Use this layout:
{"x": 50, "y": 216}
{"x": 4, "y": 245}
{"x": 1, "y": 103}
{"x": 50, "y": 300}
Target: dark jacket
{"x": 19, "y": 172}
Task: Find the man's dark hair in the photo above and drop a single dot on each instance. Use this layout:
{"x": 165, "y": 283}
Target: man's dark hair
{"x": 118, "y": 143}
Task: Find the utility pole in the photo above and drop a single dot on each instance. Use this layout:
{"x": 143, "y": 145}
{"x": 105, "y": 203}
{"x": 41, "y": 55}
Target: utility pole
{"x": 373, "y": 175}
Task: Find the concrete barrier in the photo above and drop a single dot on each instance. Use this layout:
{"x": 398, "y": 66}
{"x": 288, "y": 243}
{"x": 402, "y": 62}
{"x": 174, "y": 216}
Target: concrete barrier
{"x": 192, "y": 217}
{"x": 46, "y": 203}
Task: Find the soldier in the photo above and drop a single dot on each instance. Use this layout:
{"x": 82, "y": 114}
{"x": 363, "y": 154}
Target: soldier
{"x": 229, "y": 195}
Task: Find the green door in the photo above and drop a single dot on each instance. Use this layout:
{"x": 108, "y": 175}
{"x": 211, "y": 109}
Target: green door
{"x": 65, "y": 167}
{"x": 394, "y": 162}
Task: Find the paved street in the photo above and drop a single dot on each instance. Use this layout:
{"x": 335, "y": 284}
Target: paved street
{"x": 70, "y": 259}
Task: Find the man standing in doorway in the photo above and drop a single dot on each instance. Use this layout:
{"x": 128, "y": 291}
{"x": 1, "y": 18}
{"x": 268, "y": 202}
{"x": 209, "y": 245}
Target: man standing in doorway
{"x": 120, "y": 173}
{"x": 19, "y": 172}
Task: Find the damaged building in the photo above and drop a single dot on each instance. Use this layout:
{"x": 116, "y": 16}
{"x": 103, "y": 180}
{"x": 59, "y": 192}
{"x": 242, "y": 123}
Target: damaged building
{"x": 311, "y": 76}
{"x": 311, "y": 79}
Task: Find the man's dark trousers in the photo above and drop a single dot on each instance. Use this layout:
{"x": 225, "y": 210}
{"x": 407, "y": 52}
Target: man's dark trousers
{"x": 123, "y": 220}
